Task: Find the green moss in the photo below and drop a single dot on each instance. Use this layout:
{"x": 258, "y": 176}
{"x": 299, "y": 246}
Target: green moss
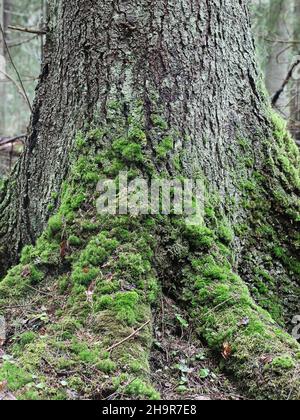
{"x": 75, "y": 241}
{"x": 18, "y": 281}
{"x": 225, "y": 234}
{"x": 63, "y": 283}
{"x": 87, "y": 267}
{"x": 249, "y": 185}
{"x": 293, "y": 264}
{"x": 45, "y": 252}
{"x": 106, "y": 366}
{"x": 139, "y": 388}
{"x": 80, "y": 141}
{"x": 27, "y": 338}
{"x": 128, "y": 150}
{"x": 199, "y": 237}
{"x": 15, "y": 377}
{"x": 89, "y": 356}
{"x": 55, "y": 224}
{"x": 159, "y": 122}
{"x": 84, "y": 274}
{"x": 283, "y": 362}
{"x": 104, "y": 302}
{"x": 165, "y": 147}
{"x": 125, "y": 306}
{"x": 89, "y": 226}
{"x": 134, "y": 265}
{"x": 220, "y": 301}
{"x": 103, "y": 283}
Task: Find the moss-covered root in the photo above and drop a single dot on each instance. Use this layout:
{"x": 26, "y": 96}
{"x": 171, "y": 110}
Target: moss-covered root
{"x": 100, "y": 310}
{"x": 262, "y": 357}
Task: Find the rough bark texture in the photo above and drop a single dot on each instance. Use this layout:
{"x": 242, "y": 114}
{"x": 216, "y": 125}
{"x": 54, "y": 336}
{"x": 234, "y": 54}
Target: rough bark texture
{"x": 143, "y": 71}
{"x": 176, "y": 57}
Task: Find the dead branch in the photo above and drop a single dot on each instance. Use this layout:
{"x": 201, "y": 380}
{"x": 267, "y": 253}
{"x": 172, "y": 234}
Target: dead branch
{"x": 20, "y": 91}
{"x": 286, "y": 81}
{"x": 27, "y": 30}
{"x": 15, "y": 68}
{"x": 4, "y": 141}
{"x": 19, "y": 42}
{"x": 128, "y": 338}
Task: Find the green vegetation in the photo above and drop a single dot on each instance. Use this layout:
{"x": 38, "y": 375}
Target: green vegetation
{"x": 165, "y": 147}
{"x": 104, "y": 274}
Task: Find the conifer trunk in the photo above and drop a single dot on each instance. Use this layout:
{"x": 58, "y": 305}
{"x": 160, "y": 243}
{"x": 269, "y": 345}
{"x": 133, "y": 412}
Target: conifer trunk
{"x": 168, "y": 88}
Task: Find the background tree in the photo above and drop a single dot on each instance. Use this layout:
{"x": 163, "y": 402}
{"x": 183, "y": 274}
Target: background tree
{"x": 160, "y": 90}
{"x": 277, "y": 28}
{"x": 2, "y": 69}
{"x": 25, "y": 51}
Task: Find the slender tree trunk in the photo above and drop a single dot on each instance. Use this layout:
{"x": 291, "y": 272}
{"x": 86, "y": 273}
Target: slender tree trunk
{"x": 168, "y": 89}
{"x": 280, "y": 57}
{"x": 2, "y": 71}
{"x": 295, "y": 92}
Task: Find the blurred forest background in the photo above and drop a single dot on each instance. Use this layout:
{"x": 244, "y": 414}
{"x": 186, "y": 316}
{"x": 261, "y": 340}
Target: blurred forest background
{"x": 276, "y": 26}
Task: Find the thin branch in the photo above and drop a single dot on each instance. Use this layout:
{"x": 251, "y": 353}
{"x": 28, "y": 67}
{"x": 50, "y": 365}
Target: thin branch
{"x": 27, "y": 30}
{"x": 4, "y": 141}
{"x": 20, "y": 91}
{"x": 21, "y": 42}
{"x": 286, "y": 81}
{"x": 15, "y": 68}
{"x": 10, "y": 79}
{"x": 128, "y": 338}
{"x": 281, "y": 41}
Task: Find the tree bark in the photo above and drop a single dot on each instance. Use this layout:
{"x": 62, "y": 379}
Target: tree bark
{"x": 186, "y": 70}
{"x": 110, "y": 54}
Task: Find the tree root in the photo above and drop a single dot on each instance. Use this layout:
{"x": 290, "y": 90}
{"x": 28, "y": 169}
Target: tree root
{"x": 262, "y": 357}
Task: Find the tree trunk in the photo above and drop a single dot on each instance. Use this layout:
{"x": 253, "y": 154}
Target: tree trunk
{"x": 162, "y": 89}
{"x": 278, "y": 64}
{"x": 295, "y": 91}
{"x": 2, "y": 71}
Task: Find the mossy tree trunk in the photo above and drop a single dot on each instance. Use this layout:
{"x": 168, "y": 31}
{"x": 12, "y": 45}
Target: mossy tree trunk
{"x": 163, "y": 89}
{"x": 175, "y": 57}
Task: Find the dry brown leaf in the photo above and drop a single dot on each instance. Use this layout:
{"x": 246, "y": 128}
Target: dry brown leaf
{"x": 266, "y": 360}
{"x": 90, "y": 291}
{"x": 227, "y": 351}
{"x": 3, "y": 386}
{"x": 64, "y": 249}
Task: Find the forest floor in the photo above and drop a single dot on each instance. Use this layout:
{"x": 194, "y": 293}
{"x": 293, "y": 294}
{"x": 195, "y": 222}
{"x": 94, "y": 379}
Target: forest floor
{"x": 182, "y": 368}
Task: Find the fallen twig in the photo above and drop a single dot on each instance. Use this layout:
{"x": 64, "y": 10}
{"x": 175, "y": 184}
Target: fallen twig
{"x": 127, "y": 338}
